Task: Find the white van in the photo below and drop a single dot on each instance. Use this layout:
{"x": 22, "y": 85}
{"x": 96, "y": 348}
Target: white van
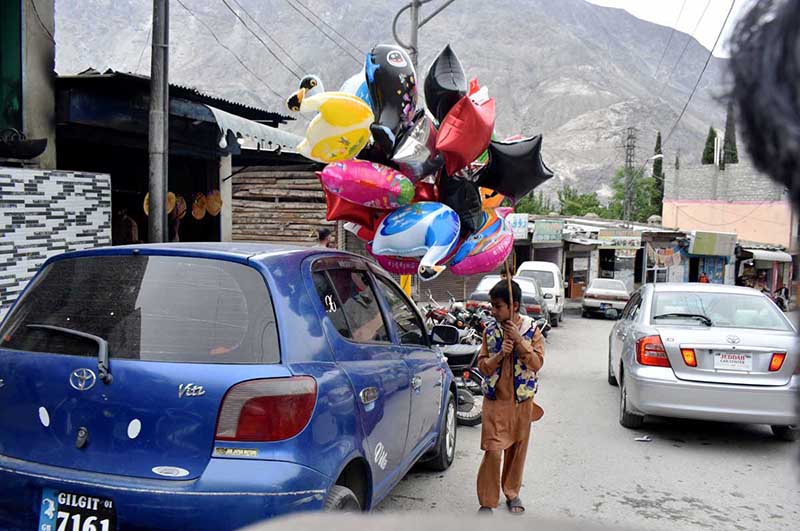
{"x": 548, "y": 276}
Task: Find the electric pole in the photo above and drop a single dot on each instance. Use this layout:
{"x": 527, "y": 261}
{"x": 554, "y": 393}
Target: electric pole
{"x": 629, "y": 145}
{"x": 416, "y": 24}
{"x": 158, "y": 134}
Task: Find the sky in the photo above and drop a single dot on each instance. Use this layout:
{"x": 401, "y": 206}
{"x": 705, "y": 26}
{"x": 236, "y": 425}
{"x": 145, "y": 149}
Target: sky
{"x": 666, "y": 13}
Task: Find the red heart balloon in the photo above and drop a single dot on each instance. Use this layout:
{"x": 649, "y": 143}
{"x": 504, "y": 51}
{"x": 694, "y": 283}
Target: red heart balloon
{"x": 425, "y": 192}
{"x": 342, "y": 210}
{"x": 465, "y": 133}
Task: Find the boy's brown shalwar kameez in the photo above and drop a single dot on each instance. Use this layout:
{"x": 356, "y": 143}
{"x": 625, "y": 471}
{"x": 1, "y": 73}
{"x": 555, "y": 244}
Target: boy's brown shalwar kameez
{"x": 506, "y": 425}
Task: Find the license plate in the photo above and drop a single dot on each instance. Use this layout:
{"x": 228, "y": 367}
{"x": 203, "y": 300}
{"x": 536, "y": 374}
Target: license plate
{"x": 65, "y": 511}
{"x": 729, "y": 361}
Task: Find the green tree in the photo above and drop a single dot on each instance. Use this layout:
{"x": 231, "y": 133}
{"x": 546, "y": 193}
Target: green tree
{"x": 645, "y": 194}
{"x": 708, "y": 152}
{"x": 574, "y": 203}
{"x": 730, "y": 154}
{"x": 536, "y": 204}
{"x": 658, "y": 169}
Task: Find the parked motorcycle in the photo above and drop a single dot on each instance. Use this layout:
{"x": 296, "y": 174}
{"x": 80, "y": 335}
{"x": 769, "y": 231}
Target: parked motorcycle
{"x": 463, "y": 361}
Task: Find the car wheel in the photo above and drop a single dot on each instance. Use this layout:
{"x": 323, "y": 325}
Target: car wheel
{"x": 554, "y": 321}
{"x": 612, "y": 380}
{"x": 626, "y": 418}
{"x": 341, "y": 499}
{"x": 584, "y": 314}
{"x": 786, "y": 433}
{"x": 446, "y": 445}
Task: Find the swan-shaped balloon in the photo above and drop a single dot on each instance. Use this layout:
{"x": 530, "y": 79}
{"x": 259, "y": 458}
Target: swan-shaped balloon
{"x": 427, "y": 229}
{"x": 357, "y": 85}
{"x": 487, "y": 248}
{"x": 367, "y": 183}
{"x": 340, "y": 130}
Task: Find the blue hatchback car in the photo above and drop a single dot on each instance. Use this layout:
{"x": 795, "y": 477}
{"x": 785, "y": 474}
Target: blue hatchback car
{"x": 210, "y": 386}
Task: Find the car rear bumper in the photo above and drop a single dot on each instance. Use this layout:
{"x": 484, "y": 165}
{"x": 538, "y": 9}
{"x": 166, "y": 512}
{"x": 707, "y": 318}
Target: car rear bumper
{"x": 594, "y": 304}
{"x": 656, "y": 391}
{"x": 230, "y": 494}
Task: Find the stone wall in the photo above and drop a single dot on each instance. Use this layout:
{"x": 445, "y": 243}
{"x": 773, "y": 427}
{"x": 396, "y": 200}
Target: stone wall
{"x": 44, "y": 213}
{"x": 737, "y": 182}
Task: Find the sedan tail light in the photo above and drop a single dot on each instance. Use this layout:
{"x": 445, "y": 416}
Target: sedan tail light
{"x": 777, "y": 361}
{"x": 266, "y": 410}
{"x": 533, "y": 309}
{"x": 472, "y": 305}
{"x": 650, "y": 351}
{"x": 689, "y": 357}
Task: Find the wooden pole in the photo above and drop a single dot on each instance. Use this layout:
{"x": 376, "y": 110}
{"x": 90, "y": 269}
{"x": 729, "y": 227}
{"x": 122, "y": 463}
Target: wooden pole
{"x": 510, "y": 291}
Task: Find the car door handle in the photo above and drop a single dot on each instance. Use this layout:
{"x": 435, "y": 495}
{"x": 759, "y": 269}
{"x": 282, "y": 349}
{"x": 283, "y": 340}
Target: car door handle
{"x": 416, "y": 383}
{"x": 368, "y": 395}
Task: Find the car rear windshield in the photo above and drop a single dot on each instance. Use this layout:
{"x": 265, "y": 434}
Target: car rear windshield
{"x": 150, "y": 308}
{"x": 728, "y": 310}
{"x": 546, "y": 279}
{"x": 612, "y": 285}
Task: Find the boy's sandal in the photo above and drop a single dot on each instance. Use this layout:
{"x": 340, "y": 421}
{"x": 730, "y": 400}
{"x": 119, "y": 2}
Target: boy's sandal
{"x": 515, "y": 506}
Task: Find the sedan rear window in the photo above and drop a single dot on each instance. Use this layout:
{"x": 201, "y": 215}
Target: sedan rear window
{"x": 150, "y": 308}
{"x": 612, "y": 285}
{"x": 727, "y": 310}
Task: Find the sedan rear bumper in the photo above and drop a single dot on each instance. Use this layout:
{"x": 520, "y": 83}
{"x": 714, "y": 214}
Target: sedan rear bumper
{"x": 594, "y": 304}
{"x": 656, "y": 391}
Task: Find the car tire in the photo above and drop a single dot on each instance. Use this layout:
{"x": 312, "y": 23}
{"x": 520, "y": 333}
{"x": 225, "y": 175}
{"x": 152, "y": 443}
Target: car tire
{"x": 446, "y": 444}
{"x": 554, "y": 321}
{"x": 612, "y": 380}
{"x": 584, "y": 314}
{"x": 340, "y": 499}
{"x": 626, "y": 418}
{"x": 786, "y": 433}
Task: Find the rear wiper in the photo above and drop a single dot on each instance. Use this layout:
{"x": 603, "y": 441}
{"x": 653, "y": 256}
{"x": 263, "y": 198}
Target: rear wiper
{"x": 700, "y": 317}
{"x": 103, "y": 370}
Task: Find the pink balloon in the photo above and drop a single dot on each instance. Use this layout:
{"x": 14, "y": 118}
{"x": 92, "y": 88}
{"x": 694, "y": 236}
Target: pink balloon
{"x": 367, "y": 184}
{"x": 487, "y": 248}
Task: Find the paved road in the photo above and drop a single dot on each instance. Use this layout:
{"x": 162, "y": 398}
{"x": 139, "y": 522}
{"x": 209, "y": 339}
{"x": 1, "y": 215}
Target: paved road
{"x": 584, "y": 465}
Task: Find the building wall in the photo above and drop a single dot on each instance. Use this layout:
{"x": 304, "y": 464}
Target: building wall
{"x": 738, "y": 199}
{"x": 44, "y": 213}
{"x": 38, "y": 77}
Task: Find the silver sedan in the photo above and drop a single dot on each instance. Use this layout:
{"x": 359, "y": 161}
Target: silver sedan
{"x": 707, "y": 352}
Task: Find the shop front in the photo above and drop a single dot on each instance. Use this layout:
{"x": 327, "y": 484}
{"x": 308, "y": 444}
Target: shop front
{"x": 764, "y": 269}
{"x": 617, "y": 255}
{"x": 547, "y": 244}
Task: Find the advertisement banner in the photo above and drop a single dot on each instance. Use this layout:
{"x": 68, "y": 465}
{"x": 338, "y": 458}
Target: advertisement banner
{"x": 712, "y": 243}
{"x": 620, "y": 239}
{"x": 548, "y": 230}
{"x": 519, "y": 225}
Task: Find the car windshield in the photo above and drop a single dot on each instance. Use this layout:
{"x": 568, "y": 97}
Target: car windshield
{"x": 546, "y": 279}
{"x": 727, "y": 310}
{"x": 612, "y": 285}
{"x": 152, "y": 308}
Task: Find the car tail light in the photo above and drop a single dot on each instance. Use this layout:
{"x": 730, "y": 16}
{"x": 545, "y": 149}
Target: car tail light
{"x": 650, "y": 351}
{"x": 266, "y": 410}
{"x": 472, "y": 305}
{"x": 465, "y": 376}
{"x": 777, "y": 361}
{"x": 533, "y": 308}
{"x": 689, "y": 357}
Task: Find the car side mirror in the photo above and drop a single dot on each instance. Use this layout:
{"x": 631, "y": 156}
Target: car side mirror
{"x": 566, "y": 285}
{"x": 445, "y": 335}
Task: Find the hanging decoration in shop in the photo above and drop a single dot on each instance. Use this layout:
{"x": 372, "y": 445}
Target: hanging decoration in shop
{"x": 171, "y": 201}
{"x": 180, "y": 205}
{"x": 422, "y": 187}
{"x": 199, "y": 206}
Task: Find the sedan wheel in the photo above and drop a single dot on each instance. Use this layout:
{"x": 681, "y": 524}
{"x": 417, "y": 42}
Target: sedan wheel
{"x": 626, "y": 418}
{"x": 786, "y": 433}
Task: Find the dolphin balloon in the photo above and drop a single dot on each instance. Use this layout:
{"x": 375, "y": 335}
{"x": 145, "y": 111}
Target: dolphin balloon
{"x": 487, "y": 248}
{"x": 427, "y": 229}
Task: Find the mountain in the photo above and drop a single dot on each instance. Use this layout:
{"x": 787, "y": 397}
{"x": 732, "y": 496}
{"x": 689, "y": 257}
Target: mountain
{"x": 576, "y": 72}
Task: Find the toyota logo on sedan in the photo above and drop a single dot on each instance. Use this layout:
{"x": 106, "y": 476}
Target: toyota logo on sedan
{"x": 733, "y": 340}
{"x": 82, "y": 379}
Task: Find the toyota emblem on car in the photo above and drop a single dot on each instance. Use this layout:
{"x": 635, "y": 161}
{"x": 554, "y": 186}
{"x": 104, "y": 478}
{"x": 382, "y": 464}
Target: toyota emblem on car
{"x": 733, "y": 340}
{"x": 82, "y": 379}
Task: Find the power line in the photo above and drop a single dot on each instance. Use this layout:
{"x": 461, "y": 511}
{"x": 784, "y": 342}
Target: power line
{"x": 669, "y": 40}
{"x": 348, "y": 41}
{"x": 41, "y": 22}
{"x": 272, "y": 39}
{"x": 700, "y": 77}
{"x": 358, "y": 61}
{"x": 266, "y": 46}
{"x": 678, "y": 207}
{"x": 146, "y": 42}
{"x": 685, "y": 47}
{"x": 229, "y": 50}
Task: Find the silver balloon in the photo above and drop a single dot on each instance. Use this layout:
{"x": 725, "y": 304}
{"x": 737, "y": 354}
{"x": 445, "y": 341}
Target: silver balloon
{"x": 416, "y": 155}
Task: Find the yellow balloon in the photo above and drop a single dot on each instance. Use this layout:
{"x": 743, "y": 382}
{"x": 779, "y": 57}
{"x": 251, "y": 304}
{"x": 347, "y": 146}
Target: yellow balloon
{"x": 340, "y": 130}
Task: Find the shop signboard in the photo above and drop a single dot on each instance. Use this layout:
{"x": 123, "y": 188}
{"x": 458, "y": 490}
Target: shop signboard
{"x": 548, "y": 230}
{"x": 712, "y": 243}
{"x": 580, "y": 264}
{"x": 519, "y": 225}
{"x": 628, "y": 240}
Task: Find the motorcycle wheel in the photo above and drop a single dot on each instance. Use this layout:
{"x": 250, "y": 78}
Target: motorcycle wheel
{"x": 470, "y": 406}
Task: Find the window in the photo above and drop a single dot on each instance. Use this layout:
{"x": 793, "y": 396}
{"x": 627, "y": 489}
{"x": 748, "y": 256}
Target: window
{"x": 612, "y": 285}
{"x": 546, "y": 279}
{"x": 10, "y": 66}
{"x": 355, "y": 311}
{"x": 409, "y": 327}
{"x": 632, "y": 308}
{"x": 728, "y": 310}
{"x": 150, "y": 308}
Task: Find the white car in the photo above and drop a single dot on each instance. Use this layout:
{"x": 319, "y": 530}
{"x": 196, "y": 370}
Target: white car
{"x": 548, "y": 276}
{"x": 603, "y": 295}
{"x": 706, "y": 352}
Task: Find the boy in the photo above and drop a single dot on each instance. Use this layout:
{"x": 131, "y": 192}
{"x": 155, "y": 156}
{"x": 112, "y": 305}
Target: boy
{"x": 511, "y": 355}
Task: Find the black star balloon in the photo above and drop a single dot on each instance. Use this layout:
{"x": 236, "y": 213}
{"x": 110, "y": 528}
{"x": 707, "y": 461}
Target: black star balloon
{"x": 445, "y": 84}
{"x": 515, "y": 168}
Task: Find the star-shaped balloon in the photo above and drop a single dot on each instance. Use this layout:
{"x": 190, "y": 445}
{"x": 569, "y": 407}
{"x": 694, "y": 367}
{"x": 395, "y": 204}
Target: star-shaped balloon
{"x": 515, "y": 168}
